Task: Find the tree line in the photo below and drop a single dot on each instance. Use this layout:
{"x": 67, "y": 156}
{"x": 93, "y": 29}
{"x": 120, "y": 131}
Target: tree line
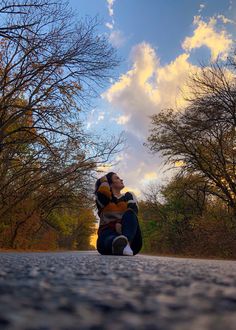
{"x": 195, "y": 212}
{"x": 51, "y": 65}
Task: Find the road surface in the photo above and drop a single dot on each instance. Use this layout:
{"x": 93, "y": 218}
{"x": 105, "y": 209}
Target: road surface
{"x": 84, "y": 290}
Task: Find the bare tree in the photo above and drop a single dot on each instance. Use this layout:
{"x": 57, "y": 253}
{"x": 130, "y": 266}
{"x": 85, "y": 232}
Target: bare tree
{"x": 51, "y": 65}
{"x": 203, "y": 136}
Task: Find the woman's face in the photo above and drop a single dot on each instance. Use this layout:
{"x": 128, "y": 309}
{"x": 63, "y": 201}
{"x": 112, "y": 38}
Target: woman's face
{"x": 117, "y": 183}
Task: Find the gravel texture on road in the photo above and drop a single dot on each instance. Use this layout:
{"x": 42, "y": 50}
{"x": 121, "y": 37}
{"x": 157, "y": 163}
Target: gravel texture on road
{"x": 84, "y": 290}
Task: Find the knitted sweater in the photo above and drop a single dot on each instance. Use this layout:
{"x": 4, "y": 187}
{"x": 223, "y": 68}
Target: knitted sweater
{"x": 112, "y": 208}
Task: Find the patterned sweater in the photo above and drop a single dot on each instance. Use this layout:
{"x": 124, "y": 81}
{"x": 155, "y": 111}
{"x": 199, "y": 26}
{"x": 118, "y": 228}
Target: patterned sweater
{"x": 112, "y": 208}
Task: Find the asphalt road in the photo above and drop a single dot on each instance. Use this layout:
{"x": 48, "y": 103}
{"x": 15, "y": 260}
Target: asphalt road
{"x": 84, "y": 290}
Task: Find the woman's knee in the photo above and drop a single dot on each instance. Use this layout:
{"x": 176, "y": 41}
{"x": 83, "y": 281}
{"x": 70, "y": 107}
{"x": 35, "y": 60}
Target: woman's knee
{"x": 130, "y": 217}
{"x": 130, "y": 213}
{"x": 104, "y": 243}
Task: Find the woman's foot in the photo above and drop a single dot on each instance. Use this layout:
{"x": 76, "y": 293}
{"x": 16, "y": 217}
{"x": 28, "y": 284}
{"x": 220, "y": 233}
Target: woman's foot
{"x": 118, "y": 244}
{"x": 121, "y": 246}
{"x": 128, "y": 251}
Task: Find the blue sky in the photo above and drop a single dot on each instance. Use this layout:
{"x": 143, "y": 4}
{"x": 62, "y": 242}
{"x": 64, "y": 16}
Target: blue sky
{"x": 160, "y": 42}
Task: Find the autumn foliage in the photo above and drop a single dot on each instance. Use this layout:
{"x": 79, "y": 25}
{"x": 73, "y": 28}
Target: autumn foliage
{"x": 182, "y": 219}
{"x": 51, "y": 65}
{"x": 195, "y": 213}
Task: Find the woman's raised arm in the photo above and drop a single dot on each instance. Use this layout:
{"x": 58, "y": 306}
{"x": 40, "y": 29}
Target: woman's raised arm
{"x": 103, "y": 192}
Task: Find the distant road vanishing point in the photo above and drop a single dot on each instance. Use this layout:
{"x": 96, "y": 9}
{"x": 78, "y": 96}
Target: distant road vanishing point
{"x": 84, "y": 290}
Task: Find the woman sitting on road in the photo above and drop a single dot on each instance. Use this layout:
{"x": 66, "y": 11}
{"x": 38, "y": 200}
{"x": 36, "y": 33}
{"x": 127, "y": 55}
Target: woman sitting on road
{"x": 119, "y": 232}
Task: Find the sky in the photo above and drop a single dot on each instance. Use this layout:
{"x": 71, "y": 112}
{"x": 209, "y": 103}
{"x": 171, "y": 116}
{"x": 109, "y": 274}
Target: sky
{"x": 159, "y": 43}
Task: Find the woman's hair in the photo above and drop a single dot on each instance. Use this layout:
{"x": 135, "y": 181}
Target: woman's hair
{"x": 109, "y": 177}
{"x": 109, "y": 180}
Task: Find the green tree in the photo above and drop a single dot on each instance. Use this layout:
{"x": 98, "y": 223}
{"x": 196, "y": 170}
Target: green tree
{"x": 74, "y": 227}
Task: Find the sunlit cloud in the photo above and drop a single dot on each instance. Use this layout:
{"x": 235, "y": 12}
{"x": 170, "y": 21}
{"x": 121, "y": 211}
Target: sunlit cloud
{"x": 149, "y": 176}
{"x": 226, "y": 20}
{"x": 119, "y": 158}
{"x": 136, "y": 191}
{"x": 149, "y": 87}
{"x": 104, "y": 168}
{"x": 133, "y": 94}
{"x": 172, "y": 80}
{"x": 136, "y": 164}
{"x": 179, "y": 163}
{"x": 122, "y": 120}
{"x": 206, "y": 34}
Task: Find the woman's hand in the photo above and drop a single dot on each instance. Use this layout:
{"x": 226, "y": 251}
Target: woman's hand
{"x": 118, "y": 228}
{"x": 103, "y": 179}
{"x": 103, "y": 192}
{"x": 104, "y": 182}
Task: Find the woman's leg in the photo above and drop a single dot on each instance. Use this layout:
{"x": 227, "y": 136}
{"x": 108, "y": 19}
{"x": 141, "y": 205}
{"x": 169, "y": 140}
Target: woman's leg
{"x": 104, "y": 241}
{"x": 131, "y": 229}
{"x": 136, "y": 244}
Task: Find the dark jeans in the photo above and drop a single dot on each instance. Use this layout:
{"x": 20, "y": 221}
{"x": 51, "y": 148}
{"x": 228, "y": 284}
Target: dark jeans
{"x": 130, "y": 229}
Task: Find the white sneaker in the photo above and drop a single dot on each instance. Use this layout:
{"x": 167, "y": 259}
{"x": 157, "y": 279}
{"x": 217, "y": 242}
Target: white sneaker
{"x": 128, "y": 251}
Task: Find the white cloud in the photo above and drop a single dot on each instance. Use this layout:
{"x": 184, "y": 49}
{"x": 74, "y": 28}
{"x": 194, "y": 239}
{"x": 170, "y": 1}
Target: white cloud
{"x": 90, "y": 119}
{"x": 110, "y": 7}
{"x": 122, "y": 120}
{"x": 149, "y": 176}
{"x": 225, "y": 20}
{"x": 148, "y": 87}
{"x": 144, "y": 90}
{"x": 202, "y": 6}
{"x": 101, "y": 116}
{"x": 206, "y": 34}
{"x": 94, "y": 118}
{"x": 136, "y": 166}
{"x": 109, "y": 26}
{"x": 117, "y": 38}
{"x": 136, "y": 191}
{"x": 104, "y": 168}
{"x": 110, "y": 4}
{"x": 119, "y": 158}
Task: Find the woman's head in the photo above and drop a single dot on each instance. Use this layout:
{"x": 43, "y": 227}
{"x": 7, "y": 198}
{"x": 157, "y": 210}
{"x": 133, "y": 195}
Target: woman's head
{"x": 114, "y": 181}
